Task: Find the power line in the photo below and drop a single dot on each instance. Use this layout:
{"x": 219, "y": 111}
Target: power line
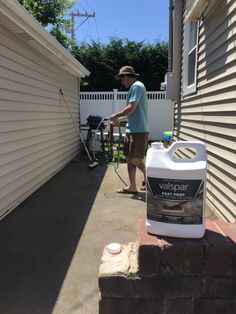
{"x": 89, "y": 5}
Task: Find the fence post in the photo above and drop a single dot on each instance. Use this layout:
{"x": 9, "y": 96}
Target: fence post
{"x": 115, "y": 102}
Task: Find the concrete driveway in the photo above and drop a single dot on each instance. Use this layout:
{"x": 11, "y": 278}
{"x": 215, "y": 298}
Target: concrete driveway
{"x": 51, "y": 245}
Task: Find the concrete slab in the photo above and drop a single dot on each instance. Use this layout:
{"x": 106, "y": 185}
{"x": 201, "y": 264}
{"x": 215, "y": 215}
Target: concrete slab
{"x": 51, "y": 245}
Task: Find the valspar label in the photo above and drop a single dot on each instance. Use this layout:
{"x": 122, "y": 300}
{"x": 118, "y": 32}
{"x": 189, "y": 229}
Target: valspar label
{"x": 175, "y": 200}
{"x": 174, "y": 189}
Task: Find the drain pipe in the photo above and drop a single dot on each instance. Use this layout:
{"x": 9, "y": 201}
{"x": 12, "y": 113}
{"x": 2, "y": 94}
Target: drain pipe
{"x": 168, "y": 84}
{"x": 170, "y": 49}
{"x": 177, "y": 17}
{"x": 173, "y": 75}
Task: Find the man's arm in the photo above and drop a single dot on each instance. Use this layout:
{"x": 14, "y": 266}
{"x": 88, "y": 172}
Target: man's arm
{"x": 129, "y": 109}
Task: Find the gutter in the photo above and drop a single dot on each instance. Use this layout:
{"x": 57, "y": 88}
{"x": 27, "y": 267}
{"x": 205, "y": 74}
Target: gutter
{"x": 19, "y": 16}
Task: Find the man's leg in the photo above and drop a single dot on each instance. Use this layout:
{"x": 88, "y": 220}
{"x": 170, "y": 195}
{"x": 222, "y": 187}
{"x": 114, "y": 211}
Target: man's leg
{"x": 139, "y": 163}
{"x": 131, "y": 187}
{"x": 135, "y": 144}
{"x": 132, "y": 175}
{"x": 138, "y": 153}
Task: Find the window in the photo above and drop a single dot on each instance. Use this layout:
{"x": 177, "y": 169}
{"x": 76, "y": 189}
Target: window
{"x": 190, "y": 57}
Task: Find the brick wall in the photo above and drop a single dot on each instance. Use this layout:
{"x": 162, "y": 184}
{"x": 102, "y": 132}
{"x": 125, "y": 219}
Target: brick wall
{"x": 168, "y": 275}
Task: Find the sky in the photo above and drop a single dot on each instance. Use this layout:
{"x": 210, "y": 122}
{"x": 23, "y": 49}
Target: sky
{"x": 135, "y": 20}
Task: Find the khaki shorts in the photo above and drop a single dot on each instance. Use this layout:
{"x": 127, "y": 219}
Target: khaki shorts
{"x": 135, "y": 145}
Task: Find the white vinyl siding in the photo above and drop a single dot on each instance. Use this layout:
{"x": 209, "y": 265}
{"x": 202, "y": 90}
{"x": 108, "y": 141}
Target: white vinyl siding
{"x": 37, "y": 135}
{"x": 209, "y": 115}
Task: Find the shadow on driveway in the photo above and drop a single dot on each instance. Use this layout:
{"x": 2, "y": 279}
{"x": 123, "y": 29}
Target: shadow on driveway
{"x": 39, "y": 238}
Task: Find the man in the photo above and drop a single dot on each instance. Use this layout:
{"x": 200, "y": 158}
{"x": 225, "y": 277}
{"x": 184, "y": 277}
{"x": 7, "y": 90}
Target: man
{"x": 137, "y": 128}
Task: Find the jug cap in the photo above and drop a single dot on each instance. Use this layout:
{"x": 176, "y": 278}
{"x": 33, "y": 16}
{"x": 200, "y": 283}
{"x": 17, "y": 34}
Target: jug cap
{"x": 158, "y": 145}
{"x": 114, "y": 248}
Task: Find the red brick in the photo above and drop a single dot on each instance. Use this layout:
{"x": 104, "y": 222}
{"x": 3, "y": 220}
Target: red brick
{"x": 148, "y": 251}
{"x": 144, "y": 238}
{"x": 229, "y": 229}
{"x": 179, "y": 306}
{"x": 130, "y": 306}
{"x": 158, "y": 254}
{"x": 109, "y": 305}
{"x": 169, "y": 255}
{"x": 171, "y": 286}
{"x": 221, "y": 288}
{"x": 194, "y": 259}
{"x": 219, "y": 252}
{"x": 115, "y": 286}
{"x": 172, "y": 255}
{"x": 148, "y": 258}
{"x": 150, "y": 286}
{"x": 214, "y": 306}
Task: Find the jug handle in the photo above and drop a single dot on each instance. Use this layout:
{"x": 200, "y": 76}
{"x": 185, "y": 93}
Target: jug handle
{"x": 198, "y": 146}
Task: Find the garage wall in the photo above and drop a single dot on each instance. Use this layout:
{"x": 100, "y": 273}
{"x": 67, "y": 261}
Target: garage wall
{"x": 37, "y": 136}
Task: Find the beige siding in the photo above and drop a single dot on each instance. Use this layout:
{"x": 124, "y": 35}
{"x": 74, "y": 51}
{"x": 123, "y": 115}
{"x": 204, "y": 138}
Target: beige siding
{"x": 37, "y": 136}
{"x": 210, "y": 114}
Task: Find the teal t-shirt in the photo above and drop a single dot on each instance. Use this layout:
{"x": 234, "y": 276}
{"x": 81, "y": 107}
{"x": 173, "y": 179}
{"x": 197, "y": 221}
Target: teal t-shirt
{"x": 137, "y": 122}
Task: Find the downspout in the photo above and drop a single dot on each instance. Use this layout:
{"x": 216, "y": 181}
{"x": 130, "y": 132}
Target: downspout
{"x": 79, "y": 108}
{"x": 172, "y": 78}
{"x": 170, "y": 44}
{"x": 169, "y": 77}
{"x": 177, "y": 20}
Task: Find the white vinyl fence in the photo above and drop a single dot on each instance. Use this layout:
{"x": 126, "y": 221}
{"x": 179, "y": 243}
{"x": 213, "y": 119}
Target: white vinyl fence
{"x": 104, "y": 104}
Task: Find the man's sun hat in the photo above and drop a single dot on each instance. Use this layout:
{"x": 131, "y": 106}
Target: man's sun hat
{"x": 126, "y": 70}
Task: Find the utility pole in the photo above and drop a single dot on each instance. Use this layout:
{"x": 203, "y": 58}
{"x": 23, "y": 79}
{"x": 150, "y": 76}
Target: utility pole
{"x": 77, "y": 13}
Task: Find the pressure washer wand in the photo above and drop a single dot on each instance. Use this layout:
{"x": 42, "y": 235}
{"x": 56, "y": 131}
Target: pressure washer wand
{"x": 92, "y": 164}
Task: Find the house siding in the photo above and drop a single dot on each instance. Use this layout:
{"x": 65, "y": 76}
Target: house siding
{"x": 209, "y": 114}
{"x": 38, "y": 137}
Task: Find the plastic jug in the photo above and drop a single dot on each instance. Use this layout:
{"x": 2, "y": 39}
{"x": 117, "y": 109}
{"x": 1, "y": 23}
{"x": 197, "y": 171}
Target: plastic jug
{"x": 176, "y": 190}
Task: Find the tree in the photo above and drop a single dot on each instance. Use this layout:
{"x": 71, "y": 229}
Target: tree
{"x": 104, "y": 61}
{"x": 51, "y": 13}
